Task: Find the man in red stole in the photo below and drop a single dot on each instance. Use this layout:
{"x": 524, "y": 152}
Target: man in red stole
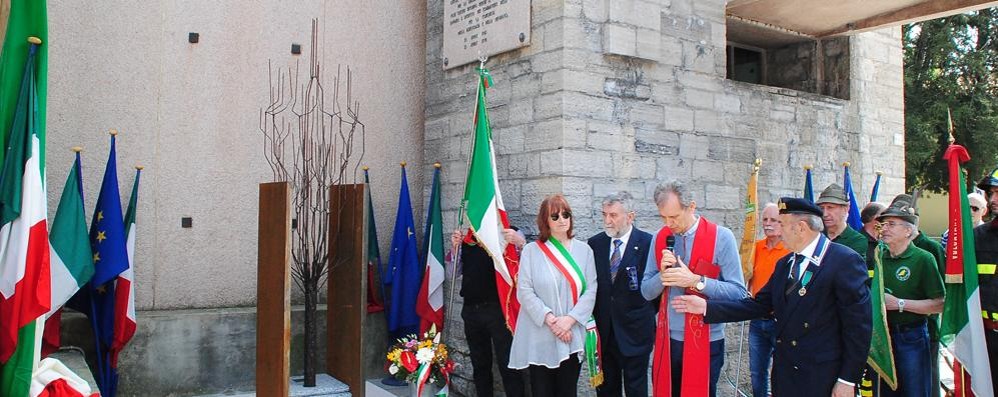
{"x": 691, "y": 256}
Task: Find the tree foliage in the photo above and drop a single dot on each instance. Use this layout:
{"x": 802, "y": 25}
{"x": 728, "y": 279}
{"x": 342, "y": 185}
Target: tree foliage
{"x": 950, "y": 63}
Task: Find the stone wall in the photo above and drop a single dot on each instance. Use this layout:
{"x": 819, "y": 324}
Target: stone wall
{"x": 622, "y": 94}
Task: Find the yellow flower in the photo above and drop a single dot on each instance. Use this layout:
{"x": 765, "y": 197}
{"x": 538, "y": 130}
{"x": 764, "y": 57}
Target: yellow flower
{"x": 393, "y": 355}
{"x": 425, "y": 343}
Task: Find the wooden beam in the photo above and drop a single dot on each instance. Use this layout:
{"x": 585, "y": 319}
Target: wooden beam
{"x": 346, "y": 310}
{"x": 931, "y": 9}
{"x": 273, "y": 291}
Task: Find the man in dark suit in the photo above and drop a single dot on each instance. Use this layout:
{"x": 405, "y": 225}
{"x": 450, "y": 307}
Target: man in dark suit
{"x": 821, "y": 303}
{"x": 626, "y": 321}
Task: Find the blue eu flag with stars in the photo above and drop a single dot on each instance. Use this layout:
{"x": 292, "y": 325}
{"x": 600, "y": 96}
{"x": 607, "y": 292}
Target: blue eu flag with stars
{"x": 404, "y": 272}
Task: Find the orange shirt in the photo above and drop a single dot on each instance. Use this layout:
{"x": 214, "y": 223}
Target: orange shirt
{"x": 765, "y": 261}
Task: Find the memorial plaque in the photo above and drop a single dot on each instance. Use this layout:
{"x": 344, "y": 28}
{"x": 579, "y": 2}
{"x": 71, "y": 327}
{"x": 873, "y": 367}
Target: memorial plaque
{"x": 477, "y": 28}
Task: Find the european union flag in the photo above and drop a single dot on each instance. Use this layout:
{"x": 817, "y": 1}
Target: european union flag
{"x": 404, "y": 272}
{"x": 854, "y": 218}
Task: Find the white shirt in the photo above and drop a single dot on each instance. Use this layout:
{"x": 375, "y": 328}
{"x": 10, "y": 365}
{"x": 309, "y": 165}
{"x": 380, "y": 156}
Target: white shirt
{"x": 809, "y": 254}
{"x": 623, "y": 241}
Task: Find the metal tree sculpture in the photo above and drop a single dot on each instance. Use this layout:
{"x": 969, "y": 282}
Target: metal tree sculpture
{"x": 318, "y": 136}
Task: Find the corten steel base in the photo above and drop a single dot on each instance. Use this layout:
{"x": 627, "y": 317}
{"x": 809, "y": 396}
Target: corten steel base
{"x": 347, "y": 283}
{"x": 273, "y": 293}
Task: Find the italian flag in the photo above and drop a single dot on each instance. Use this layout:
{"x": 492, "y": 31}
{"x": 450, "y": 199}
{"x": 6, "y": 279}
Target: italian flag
{"x": 485, "y": 212}
{"x": 962, "y": 329}
{"x": 72, "y": 260}
{"x": 124, "y": 290}
{"x": 25, "y": 283}
{"x": 69, "y": 250}
{"x": 430, "y": 302}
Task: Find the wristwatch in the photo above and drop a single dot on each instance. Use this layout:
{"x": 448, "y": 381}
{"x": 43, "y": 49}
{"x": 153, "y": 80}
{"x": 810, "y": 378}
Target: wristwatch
{"x": 702, "y": 284}
{"x": 900, "y": 305}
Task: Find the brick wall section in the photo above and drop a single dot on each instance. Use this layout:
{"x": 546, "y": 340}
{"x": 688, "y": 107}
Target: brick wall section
{"x": 622, "y": 94}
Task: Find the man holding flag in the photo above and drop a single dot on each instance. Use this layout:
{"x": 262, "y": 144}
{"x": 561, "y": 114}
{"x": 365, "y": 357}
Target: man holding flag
{"x": 489, "y": 260}
{"x": 986, "y": 244}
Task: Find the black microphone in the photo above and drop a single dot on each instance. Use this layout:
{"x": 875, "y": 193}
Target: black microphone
{"x": 670, "y": 244}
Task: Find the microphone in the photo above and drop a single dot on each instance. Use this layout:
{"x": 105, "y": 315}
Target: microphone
{"x": 670, "y": 244}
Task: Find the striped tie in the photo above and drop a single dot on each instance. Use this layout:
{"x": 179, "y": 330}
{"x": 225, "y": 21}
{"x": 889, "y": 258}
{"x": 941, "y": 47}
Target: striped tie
{"x": 615, "y": 259}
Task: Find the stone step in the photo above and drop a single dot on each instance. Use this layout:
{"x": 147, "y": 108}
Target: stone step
{"x": 325, "y": 386}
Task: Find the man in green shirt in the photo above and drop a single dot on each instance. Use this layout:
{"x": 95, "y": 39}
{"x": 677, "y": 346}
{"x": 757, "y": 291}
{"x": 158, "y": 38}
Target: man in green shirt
{"x": 913, "y": 291}
{"x": 835, "y": 204}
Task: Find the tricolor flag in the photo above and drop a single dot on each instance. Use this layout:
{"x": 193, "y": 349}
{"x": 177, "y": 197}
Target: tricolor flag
{"x": 808, "y": 184}
{"x": 25, "y": 280}
{"x": 854, "y": 219}
{"x": 485, "y": 212}
{"x": 430, "y": 303}
{"x": 375, "y": 294}
{"x": 747, "y": 250}
{"x": 124, "y": 289}
{"x": 69, "y": 251}
{"x": 962, "y": 328}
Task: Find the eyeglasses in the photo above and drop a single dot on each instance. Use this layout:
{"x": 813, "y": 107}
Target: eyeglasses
{"x": 891, "y": 224}
{"x": 564, "y": 215}
{"x": 975, "y": 208}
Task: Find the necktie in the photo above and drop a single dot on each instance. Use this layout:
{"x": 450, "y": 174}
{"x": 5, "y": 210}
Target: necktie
{"x": 615, "y": 259}
{"x": 794, "y": 270}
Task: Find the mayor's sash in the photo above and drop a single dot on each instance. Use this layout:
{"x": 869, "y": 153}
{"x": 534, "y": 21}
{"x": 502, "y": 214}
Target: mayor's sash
{"x": 566, "y": 265}
{"x": 696, "y": 334}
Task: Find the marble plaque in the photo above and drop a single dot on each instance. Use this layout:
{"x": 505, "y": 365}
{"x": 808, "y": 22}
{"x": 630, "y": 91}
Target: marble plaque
{"x": 477, "y": 28}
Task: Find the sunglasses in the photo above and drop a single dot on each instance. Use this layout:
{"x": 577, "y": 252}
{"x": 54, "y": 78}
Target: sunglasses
{"x": 975, "y": 208}
{"x": 563, "y": 214}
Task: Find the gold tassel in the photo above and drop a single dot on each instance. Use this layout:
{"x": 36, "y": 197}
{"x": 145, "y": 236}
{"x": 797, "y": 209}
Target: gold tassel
{"x": 596, "y": 380}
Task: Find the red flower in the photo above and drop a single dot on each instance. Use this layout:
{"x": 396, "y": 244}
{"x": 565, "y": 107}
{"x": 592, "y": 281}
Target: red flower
{"x": 409, "y": 361}
{"x": 448, "y": 368}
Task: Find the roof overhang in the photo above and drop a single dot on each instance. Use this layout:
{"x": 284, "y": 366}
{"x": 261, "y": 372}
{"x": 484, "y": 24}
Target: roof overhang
{"x": 817, "y": 19}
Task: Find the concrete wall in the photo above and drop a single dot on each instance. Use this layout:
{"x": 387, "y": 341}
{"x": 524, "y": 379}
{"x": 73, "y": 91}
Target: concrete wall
{"x": 190, "y": 114}
{"x": 623, "y": 94}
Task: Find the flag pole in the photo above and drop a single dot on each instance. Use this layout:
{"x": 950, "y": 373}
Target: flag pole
{"x": 456, "y": 260}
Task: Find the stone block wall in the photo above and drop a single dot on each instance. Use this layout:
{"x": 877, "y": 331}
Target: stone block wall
{"x": 623, "y": 94}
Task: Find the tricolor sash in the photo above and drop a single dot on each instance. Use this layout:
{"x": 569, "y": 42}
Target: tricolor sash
{"x": 566, "y": 265}
{"x": 696, "y": 334}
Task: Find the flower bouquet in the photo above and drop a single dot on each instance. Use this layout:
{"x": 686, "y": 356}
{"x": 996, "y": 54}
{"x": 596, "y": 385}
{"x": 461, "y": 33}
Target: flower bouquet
{"x": 420, "y": 361}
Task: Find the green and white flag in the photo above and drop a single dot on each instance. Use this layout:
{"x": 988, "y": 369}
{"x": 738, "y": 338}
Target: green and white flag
{"x": 430, "y": 301}
{"x": 72, "y": 262}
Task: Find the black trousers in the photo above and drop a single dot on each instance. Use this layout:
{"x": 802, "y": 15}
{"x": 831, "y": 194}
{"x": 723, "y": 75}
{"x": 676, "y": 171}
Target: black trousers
{"x": 716, "y": 362}
{"x": 556, "y": 382}
{"x": 485, "y": 330}
{"x": 631, "y": 372}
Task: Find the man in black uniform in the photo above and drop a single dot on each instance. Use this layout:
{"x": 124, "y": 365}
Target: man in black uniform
{"x": 484, "y": 323}
{"x": 986, "y": 244}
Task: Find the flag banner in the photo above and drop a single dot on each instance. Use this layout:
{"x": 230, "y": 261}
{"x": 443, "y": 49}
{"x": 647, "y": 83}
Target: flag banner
{"x": 25, "y": 278}
{"x": 881, "y": 357}
{"x": 124, "y": 289}
{"x": 375, "y": 294}
{"x": 808, "y": 184}
{"x": 404, "y": 272}
{"x": 747, "y": 249}
{"x": 430, "y": 303}
{"x": 962, "y": 328}
{"x": 484, "y": 210}
{"x": 854, "y": 220}
{"x": 876, "y": 187}
{"x": 69, "y": 251}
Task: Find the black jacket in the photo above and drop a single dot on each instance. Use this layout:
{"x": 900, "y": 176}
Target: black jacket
{"x": 622, "y": 313}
